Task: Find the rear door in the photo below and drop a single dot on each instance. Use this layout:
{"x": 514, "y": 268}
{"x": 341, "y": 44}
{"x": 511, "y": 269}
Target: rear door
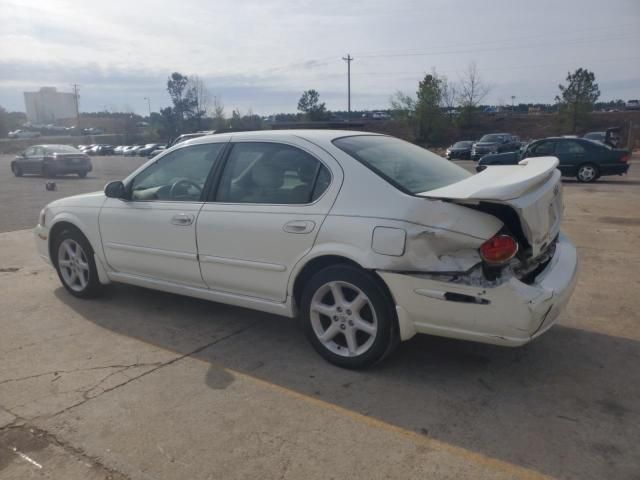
{"x": 270, "y": 202}
{"x": 571, "y": 155}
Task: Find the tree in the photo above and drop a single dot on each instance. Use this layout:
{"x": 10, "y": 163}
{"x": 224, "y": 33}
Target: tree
{"x": 182, "y": 98}
{"x": 429, "y": 115}
{"x": 310, "y": 105}
{"x": 219, "y": 118}
{"x": 449, "y": 95}
{"x": 472, "y": 88}
{"x": 577, "y": 98}
{"x": 198, "y": 98}
{"x": 4, "y": 129}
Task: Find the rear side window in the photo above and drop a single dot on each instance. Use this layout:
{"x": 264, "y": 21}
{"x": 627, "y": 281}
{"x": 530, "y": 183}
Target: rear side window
{"x": 271, "y": 173}
{"x": 569, "y": 147}
{"x": 408, "y": 167}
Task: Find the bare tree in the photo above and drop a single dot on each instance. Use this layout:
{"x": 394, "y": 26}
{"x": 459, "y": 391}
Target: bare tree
{"x": 472, "y": 87}
{"x": 449, "y": 94}
{"x": 219, "y": 116}
{"x": 200, "y": 97}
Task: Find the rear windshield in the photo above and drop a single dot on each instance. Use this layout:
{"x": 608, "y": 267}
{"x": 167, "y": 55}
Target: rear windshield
{"x": 408, "y": 167}
{"x": 493, "y": 138}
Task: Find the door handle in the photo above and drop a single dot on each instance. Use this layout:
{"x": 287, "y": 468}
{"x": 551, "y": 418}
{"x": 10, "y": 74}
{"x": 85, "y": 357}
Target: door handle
{"x": 182, "y": 219}
{"x": 299, "y": 226}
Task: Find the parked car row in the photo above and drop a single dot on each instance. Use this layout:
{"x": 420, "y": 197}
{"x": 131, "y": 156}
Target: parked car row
{"x": 128, "y": 150}
{"x": 490, "y": 143}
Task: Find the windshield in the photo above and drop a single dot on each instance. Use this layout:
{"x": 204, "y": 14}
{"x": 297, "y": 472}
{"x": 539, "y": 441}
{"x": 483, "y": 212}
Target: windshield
{"x": 462, "y": 144}
{"x": 492, "y": 138}
{"x": 408, "y": 167}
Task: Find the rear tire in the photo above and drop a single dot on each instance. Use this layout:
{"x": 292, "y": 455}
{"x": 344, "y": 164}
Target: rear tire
{"x": 72, "y": 256}
{"x": 82, "y": 174}
{"x": 348, "y": 317}
{"x": 15, "y": 168}
{"x": 587, "y": 173}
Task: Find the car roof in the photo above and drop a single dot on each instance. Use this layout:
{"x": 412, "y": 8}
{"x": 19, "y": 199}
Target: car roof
{"x": 313, "y": 135}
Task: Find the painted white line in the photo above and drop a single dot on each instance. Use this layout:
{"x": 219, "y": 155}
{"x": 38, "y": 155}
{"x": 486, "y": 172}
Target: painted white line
{"x": 25, "y": 457}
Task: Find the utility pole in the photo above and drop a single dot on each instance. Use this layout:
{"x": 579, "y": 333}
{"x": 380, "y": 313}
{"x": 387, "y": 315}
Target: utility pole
{"x": 513, "y": 97}
{"x": 149, "y": 105}
{"x": 75, "y": 95}
{"x": 348, "y": 59}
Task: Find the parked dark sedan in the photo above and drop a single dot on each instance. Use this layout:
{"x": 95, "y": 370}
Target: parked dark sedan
{"x": 584, "y": 159}
{"x": 51, "y": 160}
{"x": 461, "y": 150}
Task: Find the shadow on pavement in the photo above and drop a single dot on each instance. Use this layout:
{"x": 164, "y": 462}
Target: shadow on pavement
{"x": 563, "y": 405}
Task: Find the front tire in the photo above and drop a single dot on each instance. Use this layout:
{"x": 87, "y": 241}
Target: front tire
{"x": 72, "y": 256}
{"x": 348, "y": 317}
{"x": 15, "y": 168}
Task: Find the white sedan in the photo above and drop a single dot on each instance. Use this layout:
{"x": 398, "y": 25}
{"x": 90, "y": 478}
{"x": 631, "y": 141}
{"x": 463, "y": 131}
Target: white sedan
{"x": 366, "y": 238}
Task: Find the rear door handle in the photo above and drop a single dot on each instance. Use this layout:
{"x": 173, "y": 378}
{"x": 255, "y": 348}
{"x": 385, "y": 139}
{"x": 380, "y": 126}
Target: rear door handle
{"x": 182, "y": 219}
{"x": 299, "y": 226}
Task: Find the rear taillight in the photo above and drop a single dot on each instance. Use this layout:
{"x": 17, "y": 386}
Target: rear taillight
{"x": 499, "y": 249}
{"x": 625, "y": 158}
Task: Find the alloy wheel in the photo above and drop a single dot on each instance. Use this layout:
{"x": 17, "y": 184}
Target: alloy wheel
{"x": 73, "y": 265}
{"x": 343, "y": 319}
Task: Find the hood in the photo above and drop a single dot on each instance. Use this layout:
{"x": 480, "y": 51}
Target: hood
{"x": 93, "y": 199}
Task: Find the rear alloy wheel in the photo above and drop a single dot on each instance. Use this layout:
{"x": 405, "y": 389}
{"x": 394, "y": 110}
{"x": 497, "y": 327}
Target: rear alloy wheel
{"x": 587, "y": 173}
{"x": 75, "y": 264}
{"x": 348, "y": 318}
{"x": 15, "y": 168}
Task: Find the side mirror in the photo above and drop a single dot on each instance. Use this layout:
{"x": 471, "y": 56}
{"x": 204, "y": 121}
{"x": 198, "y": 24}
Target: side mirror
{"x": 115, "y": 189}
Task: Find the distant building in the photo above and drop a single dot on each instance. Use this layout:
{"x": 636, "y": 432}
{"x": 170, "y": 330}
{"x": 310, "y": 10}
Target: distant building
{"x": 49, "y": 105}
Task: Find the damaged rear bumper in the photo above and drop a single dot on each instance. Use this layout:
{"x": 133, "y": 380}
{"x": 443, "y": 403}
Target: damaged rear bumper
{"x": 511, "y": 314}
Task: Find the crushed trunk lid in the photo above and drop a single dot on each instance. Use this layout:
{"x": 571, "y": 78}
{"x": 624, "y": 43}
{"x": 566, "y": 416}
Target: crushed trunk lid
{"x": 532, "y": 189}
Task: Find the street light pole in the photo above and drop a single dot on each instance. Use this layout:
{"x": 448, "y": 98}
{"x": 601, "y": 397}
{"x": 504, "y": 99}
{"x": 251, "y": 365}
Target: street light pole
{"x": 513, "y": 97}
{"x": 148, "y": 105}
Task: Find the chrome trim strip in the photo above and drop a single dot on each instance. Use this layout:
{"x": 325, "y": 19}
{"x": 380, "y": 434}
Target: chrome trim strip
{"x": 272, "y": 267}
{"x": 151, "y": 251}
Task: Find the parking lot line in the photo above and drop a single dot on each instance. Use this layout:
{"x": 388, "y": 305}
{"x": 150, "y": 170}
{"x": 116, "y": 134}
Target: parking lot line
{"x": 472, "y": 457}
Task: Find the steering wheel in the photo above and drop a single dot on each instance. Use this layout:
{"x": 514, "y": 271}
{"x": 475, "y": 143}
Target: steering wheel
{"x": 183, "y": 182}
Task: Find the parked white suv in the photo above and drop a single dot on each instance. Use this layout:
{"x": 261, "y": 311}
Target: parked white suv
{"x": 365, "y": 237}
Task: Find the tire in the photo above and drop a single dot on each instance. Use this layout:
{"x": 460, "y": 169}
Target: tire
{"x": 82, "y": 174}
{"x": 48, "y": 171}
{"x": 15, "y": 168}
{"x": 587, "y": 173}
{"x": 354, "y": 339}
{"x": 72, "y": 257}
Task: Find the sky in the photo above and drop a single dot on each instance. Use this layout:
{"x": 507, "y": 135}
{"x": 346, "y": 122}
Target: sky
{"x": 260, "y": 55}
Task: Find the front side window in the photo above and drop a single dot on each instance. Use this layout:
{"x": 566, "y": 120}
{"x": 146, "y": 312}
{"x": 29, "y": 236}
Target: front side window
{"x": 271, "y": 173}
{"x": 177, "y": 176}
{"x": 570, "y": 147}
{"x": 408, "y": 167}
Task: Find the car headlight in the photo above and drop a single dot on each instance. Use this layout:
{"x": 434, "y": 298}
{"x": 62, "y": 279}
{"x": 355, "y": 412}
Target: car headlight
{"x": 43, "y": 216}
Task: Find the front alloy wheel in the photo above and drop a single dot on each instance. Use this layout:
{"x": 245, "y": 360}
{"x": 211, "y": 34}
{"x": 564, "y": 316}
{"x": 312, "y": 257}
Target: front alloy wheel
{"x": 348, "y": 317}
{"x": 75, "y": 264}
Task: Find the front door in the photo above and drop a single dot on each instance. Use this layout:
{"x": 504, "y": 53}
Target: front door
{"x": 264, "y": 216}
{"x": 152, "y": 234}
{"x": 570, "y": 154}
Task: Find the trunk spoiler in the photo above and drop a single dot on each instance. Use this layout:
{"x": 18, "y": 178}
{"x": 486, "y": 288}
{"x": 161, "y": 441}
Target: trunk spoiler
{"x": 501, "y": 183}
